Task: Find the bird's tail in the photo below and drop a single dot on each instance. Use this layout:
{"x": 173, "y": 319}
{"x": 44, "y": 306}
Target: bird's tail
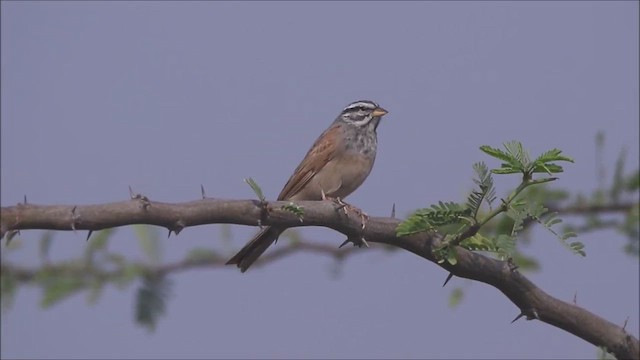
{"x": 254, "y": 248}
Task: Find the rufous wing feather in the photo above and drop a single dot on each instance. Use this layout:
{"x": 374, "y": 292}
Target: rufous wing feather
{"x": 322, "y": 151}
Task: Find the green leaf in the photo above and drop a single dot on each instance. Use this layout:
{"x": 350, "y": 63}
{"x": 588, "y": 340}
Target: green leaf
{"x": 546, "y": 168}
{"x": 518, "y": 214}
{"x": 478, "y": 242}
{"x": 293, "y": 235}
{"x": 516, "y": 160}
{"x": 486, "y": 191}
{"x": 149, "y": 242}
{"x": 451, "y": 255}
{"x": 8, "y": 288}
{"x": 295, "y": 209}
{"x": 577, "y": 245}
{"x": 57, "y": 288}
{"x": 256, "y": 189}
{"x": 506, "y": 245}
{"x": 499, "y": 154}
{"x": 552, "y": 222}
{"x": 202, "y": 255}
{"x": 505, "y": 171}
{"x": 455, "y": 298}
{"x": 151, "y": 299}
{"x": 552, "y": 155}
{"x": 577, "y": 248}
{"x": 536, "y": 211}
{"x": 544, "y": 162}
{"x": 443, "y": 213}
{"x": 516, "y": 150}
{"x": 413, "y": 224}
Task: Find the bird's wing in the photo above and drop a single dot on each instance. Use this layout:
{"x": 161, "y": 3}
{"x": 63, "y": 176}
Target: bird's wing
{"x": 322, "y": 151}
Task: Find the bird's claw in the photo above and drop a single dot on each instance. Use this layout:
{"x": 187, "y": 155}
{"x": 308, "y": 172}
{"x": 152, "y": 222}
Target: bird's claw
{"x": 346, "y": 207}
{"x": 340, "y": 204}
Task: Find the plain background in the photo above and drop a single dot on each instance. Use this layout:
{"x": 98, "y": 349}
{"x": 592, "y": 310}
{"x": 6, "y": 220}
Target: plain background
{"x": 165, "y": 96}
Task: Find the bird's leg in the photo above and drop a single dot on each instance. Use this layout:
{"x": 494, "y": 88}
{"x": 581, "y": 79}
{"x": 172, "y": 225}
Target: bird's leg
{"x": 340, "y": 204}
{"x": 346, "y": 208}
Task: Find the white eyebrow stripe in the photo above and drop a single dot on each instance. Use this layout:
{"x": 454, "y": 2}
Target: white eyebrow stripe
{"x": 367, "y": 104}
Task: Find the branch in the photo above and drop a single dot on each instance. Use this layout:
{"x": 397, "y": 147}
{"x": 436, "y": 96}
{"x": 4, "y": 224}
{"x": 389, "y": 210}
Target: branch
{"x": 27, "y": 274}
{"x": 593, "y": 209}
{"x": 531, "y": 300}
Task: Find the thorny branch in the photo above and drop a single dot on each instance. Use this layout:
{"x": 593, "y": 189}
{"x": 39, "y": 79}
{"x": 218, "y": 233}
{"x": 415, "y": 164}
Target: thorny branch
{"x": 531, "y": 300}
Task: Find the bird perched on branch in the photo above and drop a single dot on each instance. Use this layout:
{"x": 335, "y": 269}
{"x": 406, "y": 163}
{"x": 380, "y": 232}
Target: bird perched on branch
{"x": 336, "y": 165}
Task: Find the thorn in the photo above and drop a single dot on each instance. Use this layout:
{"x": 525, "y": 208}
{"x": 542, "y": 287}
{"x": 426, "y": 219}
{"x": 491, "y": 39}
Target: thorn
{"x": 575, "y": 298}
{"x": 169, "y": 235}
{"x": 324, "y": 196}
{"x": 512, "y": 266}
{"x": 517, "y": 317}
{"x": 260, "y": 223}
{"x": 204, "y": 196}
{"x": 449, "y": 278}
{"x": 178, "y": 227}
{"x": 89, "y": 234}
{"x": 393, "y": 211}
{"x": 535, "y": 315}
{"x": 624, "y": 326}
{"x": 364, "y": 241}
{"x": 131, "y": 192}
{"x": 358, "y": 243}
{"x": 25, "y": 199}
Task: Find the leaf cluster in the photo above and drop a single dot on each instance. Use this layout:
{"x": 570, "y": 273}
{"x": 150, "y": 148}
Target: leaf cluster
{"x": 469, "y": 218}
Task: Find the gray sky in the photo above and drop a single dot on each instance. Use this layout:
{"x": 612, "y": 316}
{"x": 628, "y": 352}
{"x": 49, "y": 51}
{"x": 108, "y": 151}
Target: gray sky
{"x": 165, "y": 96}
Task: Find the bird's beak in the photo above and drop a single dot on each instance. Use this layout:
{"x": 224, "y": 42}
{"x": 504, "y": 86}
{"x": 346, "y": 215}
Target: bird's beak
{"x": 379, "y": 111}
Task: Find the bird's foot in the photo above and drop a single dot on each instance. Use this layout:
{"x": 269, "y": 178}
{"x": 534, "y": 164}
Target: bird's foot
{"x": 346, "y": 207}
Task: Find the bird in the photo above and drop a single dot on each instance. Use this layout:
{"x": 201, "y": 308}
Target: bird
{"x": 337, "y": 164}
